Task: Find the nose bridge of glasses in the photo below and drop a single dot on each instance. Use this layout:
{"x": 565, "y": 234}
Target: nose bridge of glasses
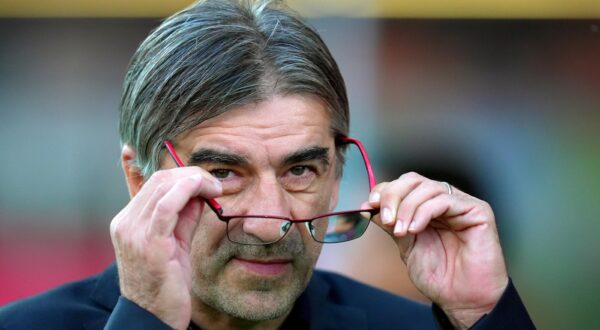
{"x": 254, "y": 226}
{"x": 254, "y": 230}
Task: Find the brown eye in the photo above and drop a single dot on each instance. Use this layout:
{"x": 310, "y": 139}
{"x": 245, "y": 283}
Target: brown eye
{"x": 221, "y": 173}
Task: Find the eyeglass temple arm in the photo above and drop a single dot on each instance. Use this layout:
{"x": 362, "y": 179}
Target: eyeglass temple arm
{"x": 213, "y": 204}
{"x": 363, "y": 152}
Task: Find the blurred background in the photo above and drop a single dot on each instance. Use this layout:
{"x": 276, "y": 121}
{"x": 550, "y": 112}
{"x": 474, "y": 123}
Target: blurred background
{"x": 500, "y": 98}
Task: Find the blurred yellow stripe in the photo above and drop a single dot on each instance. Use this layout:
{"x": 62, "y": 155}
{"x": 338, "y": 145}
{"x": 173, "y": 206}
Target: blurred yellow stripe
{"x": 352, "y": 8}
{"x": 90, "y": 8}
{"x": 453, "y": 8}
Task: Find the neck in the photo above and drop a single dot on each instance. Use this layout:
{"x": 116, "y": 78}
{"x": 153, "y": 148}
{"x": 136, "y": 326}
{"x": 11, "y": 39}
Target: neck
{"x": 207, "y": 317}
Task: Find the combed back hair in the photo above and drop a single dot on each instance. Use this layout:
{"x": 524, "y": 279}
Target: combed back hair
{"x": 217, "y": 55}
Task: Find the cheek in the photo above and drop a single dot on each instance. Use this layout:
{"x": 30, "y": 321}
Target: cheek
{"x": 334, "y": 195}
{"x": 315, "y": 203}
{"x": 313, "y": 250}
{"x": 209, "y": 234}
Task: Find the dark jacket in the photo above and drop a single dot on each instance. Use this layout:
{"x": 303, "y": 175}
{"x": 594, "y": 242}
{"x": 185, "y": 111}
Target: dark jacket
{"x": 329, "y": 302}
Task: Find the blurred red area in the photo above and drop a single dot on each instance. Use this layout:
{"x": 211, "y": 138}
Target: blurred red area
{"x": 34, "y": 261}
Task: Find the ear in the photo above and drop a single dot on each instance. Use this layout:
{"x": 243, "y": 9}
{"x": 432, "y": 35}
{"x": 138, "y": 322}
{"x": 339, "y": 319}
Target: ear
{"x": 333, "y": 200}
{"x": 133, "y": 175}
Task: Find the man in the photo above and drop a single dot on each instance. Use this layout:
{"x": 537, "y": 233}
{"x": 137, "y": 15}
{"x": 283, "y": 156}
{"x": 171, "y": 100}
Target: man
{"x": 234, "y": 122}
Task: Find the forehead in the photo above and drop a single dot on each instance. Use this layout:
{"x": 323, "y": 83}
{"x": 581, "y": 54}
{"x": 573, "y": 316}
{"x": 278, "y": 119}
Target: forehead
{"x": 279, "y": 123}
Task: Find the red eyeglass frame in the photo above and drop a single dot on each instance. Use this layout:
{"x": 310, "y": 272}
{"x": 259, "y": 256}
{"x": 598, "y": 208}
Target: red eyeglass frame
{"x": 216, "y": 207}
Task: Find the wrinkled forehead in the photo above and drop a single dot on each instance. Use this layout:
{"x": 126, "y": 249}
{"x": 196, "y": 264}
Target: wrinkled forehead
{"x": 273, "y": 128}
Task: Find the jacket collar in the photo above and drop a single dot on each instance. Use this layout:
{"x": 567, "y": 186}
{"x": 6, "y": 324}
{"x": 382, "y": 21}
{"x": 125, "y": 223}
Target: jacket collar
{"x": 106, "y": 292}
{"x": 315, "y": 305}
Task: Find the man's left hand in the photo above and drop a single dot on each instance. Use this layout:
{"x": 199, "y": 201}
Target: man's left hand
{"x": 449, "y": 242}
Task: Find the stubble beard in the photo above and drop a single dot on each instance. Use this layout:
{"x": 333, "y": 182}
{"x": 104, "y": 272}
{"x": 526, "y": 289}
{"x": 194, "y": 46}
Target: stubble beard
{"x": 250, "y": 297}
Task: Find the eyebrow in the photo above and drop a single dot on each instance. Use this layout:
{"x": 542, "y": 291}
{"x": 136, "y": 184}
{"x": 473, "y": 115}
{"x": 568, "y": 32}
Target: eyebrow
{"x": 203, "y": 156}
{"x": 306, "y": 154}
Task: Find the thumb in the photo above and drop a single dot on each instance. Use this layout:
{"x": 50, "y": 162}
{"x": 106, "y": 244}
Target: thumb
{"x": 404, "y": 243}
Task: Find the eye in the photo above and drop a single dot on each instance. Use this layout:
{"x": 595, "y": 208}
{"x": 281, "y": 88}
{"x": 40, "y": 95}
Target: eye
{"x": 299, "y": 177}
{"x": 299, "y": 170}
{"x": 232, "y": 180}
{"x": 221, "y": 173}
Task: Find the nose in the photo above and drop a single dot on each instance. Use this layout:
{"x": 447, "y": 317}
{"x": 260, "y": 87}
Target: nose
{"x": 267, "y": 199}
{"x": 257, "y": 230}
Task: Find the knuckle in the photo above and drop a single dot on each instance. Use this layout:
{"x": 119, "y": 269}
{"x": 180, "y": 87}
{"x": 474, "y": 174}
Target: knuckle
{"x": 159, "y": 177}
{"x": 411, "y": 176}
{"x": 113, "y": 228}
{"x": 387, "y": 195}
{"x": 162, "y": 189}
{"x": 190, "y": 183}
{"x": 162, "y": 208}
{"x": 483, "y": 211}
{"x": 487, "y": 208}
{"x": 380, "y": 186}
{"x": 408, "y": 204}
{"x": 432, "y": 185}
{"x": 117, "y": 228}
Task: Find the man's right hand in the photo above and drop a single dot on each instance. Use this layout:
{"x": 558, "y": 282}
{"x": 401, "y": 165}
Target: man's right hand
{"x": 152, "y": 237}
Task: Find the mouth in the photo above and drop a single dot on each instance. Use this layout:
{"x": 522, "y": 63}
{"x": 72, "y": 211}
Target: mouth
{"x": 269, "y": 268}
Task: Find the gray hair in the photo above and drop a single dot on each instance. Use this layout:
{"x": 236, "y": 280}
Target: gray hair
{"x": 216, "y": 55}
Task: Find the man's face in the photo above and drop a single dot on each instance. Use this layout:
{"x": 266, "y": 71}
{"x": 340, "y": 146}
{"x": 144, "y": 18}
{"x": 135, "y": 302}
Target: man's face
{"x": 273, "y": 158}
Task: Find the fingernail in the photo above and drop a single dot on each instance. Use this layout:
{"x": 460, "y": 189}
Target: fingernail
{"x": 398, "y": 227}
{"x": 374, "y": 197}
{"x": 386, "y": 216}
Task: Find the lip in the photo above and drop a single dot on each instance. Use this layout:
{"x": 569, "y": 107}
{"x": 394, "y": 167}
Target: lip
{"x": 264, "y": 267}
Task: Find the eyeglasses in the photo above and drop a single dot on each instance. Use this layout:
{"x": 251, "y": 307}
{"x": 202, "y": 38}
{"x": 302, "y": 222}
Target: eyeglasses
{"x": 333, "y": 227}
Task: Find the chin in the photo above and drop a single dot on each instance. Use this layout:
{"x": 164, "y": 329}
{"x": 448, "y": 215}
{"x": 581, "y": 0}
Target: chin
{"x": 252, "y": 305}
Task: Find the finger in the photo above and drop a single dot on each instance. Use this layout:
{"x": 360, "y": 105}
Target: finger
{"x": 405, "y": 245}
{"x": 165, "y": 214}
{"x": 188, "y": 222}
{"x": 393, "y": 194}
{"x": 375, "y": 216}
{"x": 149, "y": 203}
{"x": 424, "y": 192}
{"x": 375, "y": 194}
{"x": 158, "y": 185}
{"x": 429, "y": 210}
{"x": 365, "y": 206}
{"x": 448, "y": 207}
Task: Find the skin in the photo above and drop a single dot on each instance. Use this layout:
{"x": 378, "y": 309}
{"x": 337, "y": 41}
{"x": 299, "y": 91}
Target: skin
{"x": 449, "y": 243}
{"x": 175, "y": 261}
{"x": 172, "y": 250}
